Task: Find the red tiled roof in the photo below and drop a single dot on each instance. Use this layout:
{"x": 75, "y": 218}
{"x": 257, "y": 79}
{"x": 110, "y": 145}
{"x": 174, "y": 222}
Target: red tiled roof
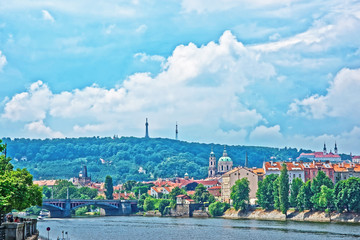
{"x": 214, "y": 188}
{"x": 207, "y": 182}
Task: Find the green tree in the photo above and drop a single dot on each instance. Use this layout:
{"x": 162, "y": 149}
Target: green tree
{"x": 109, "y": 188}
{"x": 276, "y": 193}
{"x": 326, "y": 199}
{"x": 17, "y": 190}
{"x": 240, "y": 194}
{"x": 304, "y": 197}
{"x": 284, "y": 189}
{"x": 347, "y": 195}
{"x": 294, "y": 191}
{"x": 202, "y": 195}
{"x": 149, "y": 204}
{"x": 128, "y": 185}
{"x": 141, "y": 201}
{"x": 218, "y": 208}
{"x": 265, "y": 192}
{"x": 320, "y": 180}
{"x": 162, "y": 206}
{"x": 46, "y": 192}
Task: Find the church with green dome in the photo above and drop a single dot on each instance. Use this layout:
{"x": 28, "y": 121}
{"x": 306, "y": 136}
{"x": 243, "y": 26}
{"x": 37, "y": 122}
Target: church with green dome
{"x": 224, "y": 165}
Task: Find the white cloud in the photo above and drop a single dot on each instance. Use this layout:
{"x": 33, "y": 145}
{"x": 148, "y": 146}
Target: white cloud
{"x": 39, "y": 130}
{"x": 141, "y": 29}
{"x": 47, "y": 16}
{"x": 144, "y": 57}
{"x": 29, "y": 106}
{"x": 200, "y": 87}
{"x": 2, "y": 61}
{"x": 110, "y": 29}
{"x": 268, "y": 136}
{"x": 342, "y": 98}
{"x": 93, "y": 8}
{"x": 201, "y": 6}
{"x": 347, "y": 141}
{"x": 331, "y": 31}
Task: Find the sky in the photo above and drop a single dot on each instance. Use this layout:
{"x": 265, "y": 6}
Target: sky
{"x": 240, "y": 72}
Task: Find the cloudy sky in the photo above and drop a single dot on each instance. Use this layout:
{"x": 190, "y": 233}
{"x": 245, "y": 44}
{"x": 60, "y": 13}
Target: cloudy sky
{"x": 245, "y": 72}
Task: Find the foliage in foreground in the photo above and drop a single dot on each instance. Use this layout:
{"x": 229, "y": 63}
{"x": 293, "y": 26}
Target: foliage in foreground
{"x": 17, "y": 190}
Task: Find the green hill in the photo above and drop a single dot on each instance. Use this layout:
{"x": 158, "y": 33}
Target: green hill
{"x": 123, "y": 157}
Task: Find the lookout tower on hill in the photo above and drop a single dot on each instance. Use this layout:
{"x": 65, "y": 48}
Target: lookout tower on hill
{"x": 146, "y": 129}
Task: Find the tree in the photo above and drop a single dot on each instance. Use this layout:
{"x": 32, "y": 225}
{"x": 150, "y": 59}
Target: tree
{"x": 218, "y": 208}
{"x": 320, "y": 180}
{"x": 201, "y": 194}
{"x": 347, "y": 195}
{"x": 304, "y": 196}
{"x": 276, "y": 193}
{"x": 17, "y": 190}
{"x": 175, "y": 192}
{"x": 265, "y": 191}
{"x": 109, "y": 188}
{"x": 240, "y": 194}
{"x": 162, "y": 206}
{"x": 46, "y": 192}
{"x": 294, "y": 192}
{"x": 326, "y": 199}
{"x": 149, "y": 204}
{"x": 128, "y": 185}
{"x": 284, "y": 189}
{"x": 341, "y": 198}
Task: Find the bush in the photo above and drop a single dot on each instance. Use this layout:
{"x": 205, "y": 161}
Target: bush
{"x": 162, "y": 206}
{"x": 218, "y": 208}
{"x": 81, "y": 211}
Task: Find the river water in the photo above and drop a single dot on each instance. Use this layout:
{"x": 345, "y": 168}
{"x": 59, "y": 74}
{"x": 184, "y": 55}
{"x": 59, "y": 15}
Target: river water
{"x": 137, "y": 227}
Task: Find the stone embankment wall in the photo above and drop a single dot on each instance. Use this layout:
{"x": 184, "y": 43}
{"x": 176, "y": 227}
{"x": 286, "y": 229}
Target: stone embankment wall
{"x": 305, "y": 216}
{"x": 20, "y": 231}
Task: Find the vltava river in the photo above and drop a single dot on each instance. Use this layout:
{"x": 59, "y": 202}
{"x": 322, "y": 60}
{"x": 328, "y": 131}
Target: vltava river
{"x": 149, "y": 228}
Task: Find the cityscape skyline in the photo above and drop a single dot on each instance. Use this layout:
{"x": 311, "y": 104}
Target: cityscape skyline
{"x": 274, "y": 73}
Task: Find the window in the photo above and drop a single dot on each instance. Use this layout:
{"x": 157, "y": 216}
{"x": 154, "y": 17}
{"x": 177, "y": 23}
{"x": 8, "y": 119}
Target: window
{"x": 294, "y": 175}
{"x": 299, "y": 175}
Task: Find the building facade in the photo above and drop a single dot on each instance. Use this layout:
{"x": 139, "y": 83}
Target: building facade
{"x": 229, "y": 179}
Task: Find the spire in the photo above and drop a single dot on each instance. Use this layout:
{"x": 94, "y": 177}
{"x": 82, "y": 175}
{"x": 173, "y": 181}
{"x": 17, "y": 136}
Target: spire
{"x": 246, "y": 160}
{"x": 324, "y": 150}
{"x": 335, "y": 149}
{"x": 224, "y": 153}
{"x": 176, "y": 131}
{"x": 146, "y": 129}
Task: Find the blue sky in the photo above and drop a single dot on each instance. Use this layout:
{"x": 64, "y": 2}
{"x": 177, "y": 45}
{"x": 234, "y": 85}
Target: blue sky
{"x": 272, "y": 73}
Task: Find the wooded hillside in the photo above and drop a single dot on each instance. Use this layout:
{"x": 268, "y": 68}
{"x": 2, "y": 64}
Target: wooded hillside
{"x": 123, "y": 157}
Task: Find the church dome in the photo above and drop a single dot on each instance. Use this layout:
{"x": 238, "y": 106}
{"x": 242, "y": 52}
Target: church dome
{"x": 225, "y": 159}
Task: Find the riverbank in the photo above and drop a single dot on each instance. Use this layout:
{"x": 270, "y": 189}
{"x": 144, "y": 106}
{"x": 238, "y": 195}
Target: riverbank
{"x": 305, "y": 216}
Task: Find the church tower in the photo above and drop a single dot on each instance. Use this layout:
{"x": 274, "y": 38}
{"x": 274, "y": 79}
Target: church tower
{"x": 176, "y": 132}
{"x": 324, "y": 150}
{"x": 146, "y": 129}
{"x": 335, "y": 149}
{"x": 212, "y": 164}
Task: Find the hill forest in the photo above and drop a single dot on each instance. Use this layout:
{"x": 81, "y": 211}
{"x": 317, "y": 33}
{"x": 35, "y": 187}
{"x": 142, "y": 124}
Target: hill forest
{"x": 129, "y": 158}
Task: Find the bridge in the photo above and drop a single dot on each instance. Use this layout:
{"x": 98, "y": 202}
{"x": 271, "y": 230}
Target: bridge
{"x": 62, "y": 208}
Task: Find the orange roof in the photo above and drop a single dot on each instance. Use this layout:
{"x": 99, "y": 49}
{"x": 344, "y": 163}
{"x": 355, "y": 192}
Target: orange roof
{"x": 215, "y": 188}
{"x": 45, "y": 182}
{"x": 344, "y": 167}
{"x": 207, "y": 182}
{"x": 258, "y": 170}
{"x": 190, "y": 192}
